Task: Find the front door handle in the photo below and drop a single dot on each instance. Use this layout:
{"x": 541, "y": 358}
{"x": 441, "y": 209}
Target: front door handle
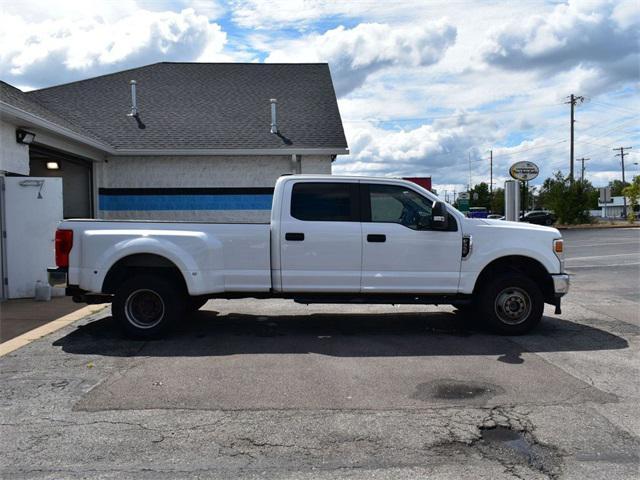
{"x": 294, "y": 237}
{"x": 376, "y": 238}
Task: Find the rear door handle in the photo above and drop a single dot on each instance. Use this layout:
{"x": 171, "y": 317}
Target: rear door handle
{"x": 294, "y": 237}
{"x": 376, "y": 238}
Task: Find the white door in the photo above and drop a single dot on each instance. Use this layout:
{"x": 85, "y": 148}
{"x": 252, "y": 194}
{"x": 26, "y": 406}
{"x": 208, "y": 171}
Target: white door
{"x": 33, "y": 208}
{"x": 320, "y": 237}
{"x": 400, "y": 254}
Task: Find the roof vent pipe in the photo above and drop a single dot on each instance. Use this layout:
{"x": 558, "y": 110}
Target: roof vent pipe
{"x": 134, "y": 104}
{"x": 274, "y": 123}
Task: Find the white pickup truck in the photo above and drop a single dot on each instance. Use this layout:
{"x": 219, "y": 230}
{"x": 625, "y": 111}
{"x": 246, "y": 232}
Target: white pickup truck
{"x": 331, "y": 239}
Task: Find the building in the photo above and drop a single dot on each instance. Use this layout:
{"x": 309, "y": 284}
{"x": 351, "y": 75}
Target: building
{"x": 614, "y": 208}
{"x": 189, "y": 141}
{"x": 424, "y": 182}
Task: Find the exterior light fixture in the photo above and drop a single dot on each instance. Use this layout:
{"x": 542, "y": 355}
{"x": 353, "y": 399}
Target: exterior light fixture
{"x": 24, "y": 137}
{"x": 53, "y": 166}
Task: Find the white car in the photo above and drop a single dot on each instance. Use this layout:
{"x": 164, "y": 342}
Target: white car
{"x": 331, "y": 239}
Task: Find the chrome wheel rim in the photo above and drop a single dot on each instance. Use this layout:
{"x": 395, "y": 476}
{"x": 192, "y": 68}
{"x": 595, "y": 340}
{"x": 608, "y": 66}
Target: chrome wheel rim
{"x": 144, "y": 308}
{"x": 513, "y": 305}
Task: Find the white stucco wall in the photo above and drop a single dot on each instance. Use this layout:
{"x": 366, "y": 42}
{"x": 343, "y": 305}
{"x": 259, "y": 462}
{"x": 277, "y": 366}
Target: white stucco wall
{"x": 14, "y": 157}
{"x": 199, "y": 172}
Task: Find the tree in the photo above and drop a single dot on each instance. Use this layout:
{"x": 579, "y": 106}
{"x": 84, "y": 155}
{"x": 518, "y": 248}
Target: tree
{"x": 632, "y": 191}
{"x": 480, "y": 196}
{"x": 616, "y": 187}
{"x": 497, "y": 203}
{"x": 570, "y": 201}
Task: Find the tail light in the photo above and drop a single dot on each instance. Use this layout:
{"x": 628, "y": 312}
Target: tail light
{"x": 64, "y": 242}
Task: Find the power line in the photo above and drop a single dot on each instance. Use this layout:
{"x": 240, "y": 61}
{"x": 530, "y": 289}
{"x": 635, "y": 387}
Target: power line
{"x": 608, "y": 105}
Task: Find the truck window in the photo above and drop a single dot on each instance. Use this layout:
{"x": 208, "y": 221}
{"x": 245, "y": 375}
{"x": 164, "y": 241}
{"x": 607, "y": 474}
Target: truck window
{"x": 394, "y": 204}
{"x": 324, "y": 202}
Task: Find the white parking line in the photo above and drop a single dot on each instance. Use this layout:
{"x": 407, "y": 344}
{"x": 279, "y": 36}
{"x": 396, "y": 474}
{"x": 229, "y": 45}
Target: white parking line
{"x": 603, "y": 256}
{"x": 570, "y": 267}
{"x": 602, "y": 244}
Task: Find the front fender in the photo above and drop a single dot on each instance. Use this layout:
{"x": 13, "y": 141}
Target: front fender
{"x": 472, "y": 267}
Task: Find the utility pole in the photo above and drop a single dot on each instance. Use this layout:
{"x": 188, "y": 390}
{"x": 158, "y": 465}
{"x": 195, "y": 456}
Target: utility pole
{"x": 582, "y": 174}
{"x": 491, "y": 174}
{"x": 621, "y": 155}
{"x": 469, "y": 189}
{"x": 573, "y": 99}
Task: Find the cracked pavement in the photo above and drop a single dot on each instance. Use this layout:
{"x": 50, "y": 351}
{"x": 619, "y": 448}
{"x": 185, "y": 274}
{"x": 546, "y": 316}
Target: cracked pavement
{"x": 270, "y": 389}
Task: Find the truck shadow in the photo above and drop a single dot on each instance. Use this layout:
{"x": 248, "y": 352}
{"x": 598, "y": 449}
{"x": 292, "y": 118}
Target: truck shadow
{"x": 344, "y": 335}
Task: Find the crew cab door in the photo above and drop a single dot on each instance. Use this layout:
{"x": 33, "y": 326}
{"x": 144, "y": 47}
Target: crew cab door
{"x": 400, "y": 251}
{"x": 320, "y": 237}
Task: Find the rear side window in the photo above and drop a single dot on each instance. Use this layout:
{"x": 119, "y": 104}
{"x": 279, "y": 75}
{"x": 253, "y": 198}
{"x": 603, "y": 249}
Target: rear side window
{"x": 324, "y": 202}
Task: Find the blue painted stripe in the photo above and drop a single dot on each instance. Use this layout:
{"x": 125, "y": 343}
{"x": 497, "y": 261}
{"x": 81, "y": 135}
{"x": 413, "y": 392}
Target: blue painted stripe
{"x": 184, "y": 202}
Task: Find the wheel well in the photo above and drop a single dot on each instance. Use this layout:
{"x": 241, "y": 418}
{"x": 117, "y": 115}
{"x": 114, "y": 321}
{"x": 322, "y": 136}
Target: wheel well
{"x": 141, "y": 263}
{"x": 521, "y": 264}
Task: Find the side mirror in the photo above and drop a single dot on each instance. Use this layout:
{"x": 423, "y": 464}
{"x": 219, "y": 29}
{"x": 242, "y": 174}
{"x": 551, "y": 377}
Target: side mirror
{"x": 439, "y": 216}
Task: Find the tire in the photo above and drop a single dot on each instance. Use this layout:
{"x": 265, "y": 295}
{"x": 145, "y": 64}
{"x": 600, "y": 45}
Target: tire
{"x": 548, "y": 222}
{"x": 147, "y": 307}
{"x": 512, "y": 304}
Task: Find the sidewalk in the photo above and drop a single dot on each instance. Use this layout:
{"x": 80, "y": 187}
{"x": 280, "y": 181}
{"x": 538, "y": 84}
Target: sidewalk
{"x": 21, "y": 315}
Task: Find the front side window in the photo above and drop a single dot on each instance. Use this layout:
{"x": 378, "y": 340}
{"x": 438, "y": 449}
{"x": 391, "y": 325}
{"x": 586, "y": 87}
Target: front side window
{"x": 395, "y": 204}
{"x": 324, "y": 202}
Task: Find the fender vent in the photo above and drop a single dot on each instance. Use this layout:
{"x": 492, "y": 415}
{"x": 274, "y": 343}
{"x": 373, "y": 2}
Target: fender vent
{"x": 466, "y": 245}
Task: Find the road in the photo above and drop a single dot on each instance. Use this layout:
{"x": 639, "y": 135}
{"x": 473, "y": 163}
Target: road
{"x": 271, "y": 389}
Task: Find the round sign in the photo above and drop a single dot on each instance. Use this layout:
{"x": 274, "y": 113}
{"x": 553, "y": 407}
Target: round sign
{"x": 524, "y": 171}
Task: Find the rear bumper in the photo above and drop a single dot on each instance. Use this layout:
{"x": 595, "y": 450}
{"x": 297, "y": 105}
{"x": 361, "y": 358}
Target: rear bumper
{"x": 561, "y": 284}
{"x": 57, "y": 277}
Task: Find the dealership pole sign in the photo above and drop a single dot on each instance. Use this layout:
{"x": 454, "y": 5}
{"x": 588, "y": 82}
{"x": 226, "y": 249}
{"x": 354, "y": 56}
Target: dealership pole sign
{"x": 524, "y": 171}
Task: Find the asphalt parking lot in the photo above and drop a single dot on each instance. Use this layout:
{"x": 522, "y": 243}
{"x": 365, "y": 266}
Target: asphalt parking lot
{"x": 271, "y": 389}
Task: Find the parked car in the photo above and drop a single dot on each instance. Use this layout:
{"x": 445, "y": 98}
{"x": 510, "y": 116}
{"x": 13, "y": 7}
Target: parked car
{"x": 539, "y": 217}
{"x": 331, "y": 239}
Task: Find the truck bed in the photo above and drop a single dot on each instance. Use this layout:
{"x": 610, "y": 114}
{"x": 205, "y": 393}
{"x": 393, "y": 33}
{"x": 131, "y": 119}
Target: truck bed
{"x": 214, "y": 257}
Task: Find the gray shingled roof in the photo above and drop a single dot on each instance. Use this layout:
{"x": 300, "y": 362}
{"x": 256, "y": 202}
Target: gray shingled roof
{"x": 19, "y": 99}
{"x": 204, "y": 105}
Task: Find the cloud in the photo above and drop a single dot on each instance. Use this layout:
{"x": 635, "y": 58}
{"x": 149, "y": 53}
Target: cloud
{"x": 356, "y": 53}
{"x": 441, "y": 149}
{"x": 599, "y": 35}
{"x": 65, "y": 49}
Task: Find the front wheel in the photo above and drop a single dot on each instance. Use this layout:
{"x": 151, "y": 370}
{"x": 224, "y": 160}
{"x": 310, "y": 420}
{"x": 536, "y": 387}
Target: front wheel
{"x": 512, "y": 304}
{"x": 147, "y": 307}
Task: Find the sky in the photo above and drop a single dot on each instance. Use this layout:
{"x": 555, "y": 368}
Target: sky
{"x": 425, "y": 88}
